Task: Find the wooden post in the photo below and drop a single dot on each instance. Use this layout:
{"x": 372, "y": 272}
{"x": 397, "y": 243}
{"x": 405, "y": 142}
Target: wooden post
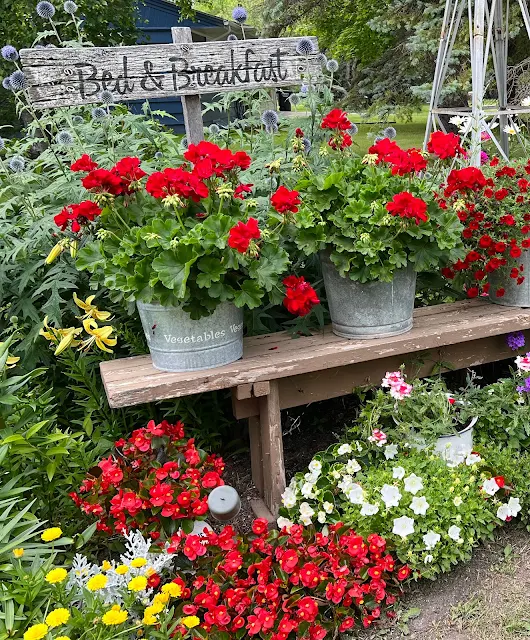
{"x": 272, "y": 448}
{"x": 256, "y": 454}
{"x": 191, "y": 104}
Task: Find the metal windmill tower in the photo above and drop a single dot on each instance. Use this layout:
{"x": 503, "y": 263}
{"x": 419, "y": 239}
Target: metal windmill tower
{"x": 488, "y": 24}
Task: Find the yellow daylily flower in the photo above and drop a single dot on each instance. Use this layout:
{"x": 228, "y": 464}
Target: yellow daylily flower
{"x": 63, "y": 338}
{"x": 99, "y": 335}
{"x": 11, "y": 360}
{"x": 91, "y": 311}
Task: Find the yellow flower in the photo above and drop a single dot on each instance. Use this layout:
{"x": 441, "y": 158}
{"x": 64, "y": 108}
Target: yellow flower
{"x": 162, "y": 598}
{"x": 156, "y": 607}
{"x": 137, "y": 563}
{"x": 151, "y": 612}
{"x": 18, "y": 553}
{"x": 73, "y": 248}
{"x": 99, "y": 581}
{"x": 190, "y": 621}
{"x": 121, "y": 569}
{"x": 56, "y": 252}
{"x": 51, "y": 534}
{"x": 62, "y": 638}
{"x": 11, "y": 360}
{"x": 172, "y": 589}
{"x": 57, "y": 617}
{"x": 63, "y": 338}
{"x": 106, "y": 565}
{"x": 99, "y": 335}
{"x": 36, "y": 632}
{"x": 56, "y": 575}
{"x": 91, "y": 311}
{"x": 115, "y": 616}
{"x": 149, "y": 619}
{"x": 137, "y": 584}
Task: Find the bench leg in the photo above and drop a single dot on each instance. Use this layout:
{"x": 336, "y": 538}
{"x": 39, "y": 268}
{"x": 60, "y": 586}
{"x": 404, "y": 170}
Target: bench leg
{"x": 256, "y": 456}
{"x": 273, "y": 468}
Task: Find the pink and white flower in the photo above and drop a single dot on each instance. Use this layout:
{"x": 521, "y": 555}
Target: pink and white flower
{"x": 392, "y": 379}
{"x": 378, "y": 437}
{"x": 401, "y": 391}
{"x": 523, "y": 362}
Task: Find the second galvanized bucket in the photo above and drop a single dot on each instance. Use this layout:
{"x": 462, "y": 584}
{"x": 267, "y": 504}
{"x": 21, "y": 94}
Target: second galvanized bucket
{"x": 178, "y": 343}
{"x": 515, "y": 295}
{"x": 370, "y": 310}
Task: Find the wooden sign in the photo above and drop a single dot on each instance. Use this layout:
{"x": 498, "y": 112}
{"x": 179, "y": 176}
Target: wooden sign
{"x": 68, "y": 77}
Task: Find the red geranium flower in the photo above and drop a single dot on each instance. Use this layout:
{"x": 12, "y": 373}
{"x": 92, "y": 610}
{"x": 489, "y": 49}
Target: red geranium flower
{"x": 241, "y": 189}
{"x": 103, "y": 181}
{"x": 84, "y": 163}
{"x": 444, "y": 145}
{"x": 242, "y": 234}
{"x": 336, "y": 119}
{"x": 76, "y": 215}
{"x": 128, "y": 169}
{"x": 176, "y": 182}
{"x": 405, "y": 205}
{"x": 300, "y": 297}
{"x": 285, "y": 201}
{"x": 463, "y": 180}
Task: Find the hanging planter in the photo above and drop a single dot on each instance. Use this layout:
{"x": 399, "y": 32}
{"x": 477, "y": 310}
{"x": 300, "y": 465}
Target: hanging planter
{"x": 516, "y": 293}
{"x": 372, "y": 309}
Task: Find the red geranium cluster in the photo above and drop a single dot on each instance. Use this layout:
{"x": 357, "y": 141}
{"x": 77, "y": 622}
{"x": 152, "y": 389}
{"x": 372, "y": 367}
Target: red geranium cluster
{"x": 297, "y": 583}
{"x": 76, "y": 215}
{"x": 285, "y": 201}
{"x": 494, "y": 210}
{"x": 300, "y": 297}
{"x": 339, "y": 123}
{"x": 176, "y": 182}
{"x": 444, "y": 145}
{"x": 208, "y": 160}
{"x": 400, "y": 161}
{"x": 405, "y": 205}
{"x": 242, "y": 234}
{"x": 157, "y": 476}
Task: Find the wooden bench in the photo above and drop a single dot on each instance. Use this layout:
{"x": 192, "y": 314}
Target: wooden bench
{"x": 278, "y": 372}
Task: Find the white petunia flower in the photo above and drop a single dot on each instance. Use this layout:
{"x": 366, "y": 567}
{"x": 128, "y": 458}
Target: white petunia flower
{"x": 473, "y": 458}
{"x": 454, "y": 532}
{"x": 321, "y": 517}
{"x": 457, "y": 501}
{"x": 369, "y": 509}
{"x": 419, "y": 505}
{"x": 431, "y": 539}
{"x": 514, "y": 506}
{"x": 307, "y": 490}
{"x": 328, "y": 507}
{"x": 345, "y": 484}
{"x": 391, "y": 495}
{"x": 403, "y": 526}
{"x": 504, "y": 512}
{"x": 398, "y": 473}
{"x": 490, "y": 487}
{"x": 391, "y": 451}
{"x": 288, "y": 498}
{"x": 352, "y": 466}
{"x": 356, "y": 494}
{"x": 284, "y": 522}
{"x": 428, "y": 559}
{"x": 315, "y": 466}
{"x": 343, "y": 449}
{"x": 413, "y": 484}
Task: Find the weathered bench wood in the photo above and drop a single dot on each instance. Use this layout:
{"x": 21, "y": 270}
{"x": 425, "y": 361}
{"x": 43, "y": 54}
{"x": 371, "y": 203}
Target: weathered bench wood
{"x": 278, "y": 372}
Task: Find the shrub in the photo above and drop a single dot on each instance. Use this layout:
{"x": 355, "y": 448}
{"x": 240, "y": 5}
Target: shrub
{"x": 157, "y": 480}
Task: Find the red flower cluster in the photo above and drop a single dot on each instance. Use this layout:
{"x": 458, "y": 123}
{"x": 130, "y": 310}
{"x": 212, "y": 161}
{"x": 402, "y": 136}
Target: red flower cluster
{"x": 285, "y": 201}
{"x": 401, "y": 162}
{"x": 297, "y": 584}
{"x": 242, "y": 234}
{"x": 494, "y": 212}
{"x": 336, "y": 119}
{"x": 405, "y": 205}
{"x": 300, "y": 297}
{"x": 179, "y": 182}
{"x": 156, "y": 476}
{"x": 444, "y": 145}
{"x": 116, "y": 181}
{"x": 209, "y": 159}
{"x": 84, "y": 163}
{"x": 77, "y": 215}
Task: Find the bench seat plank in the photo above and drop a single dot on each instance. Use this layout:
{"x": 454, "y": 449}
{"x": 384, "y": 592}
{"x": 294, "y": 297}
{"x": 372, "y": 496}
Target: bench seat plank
{"x": 131, "y": 381}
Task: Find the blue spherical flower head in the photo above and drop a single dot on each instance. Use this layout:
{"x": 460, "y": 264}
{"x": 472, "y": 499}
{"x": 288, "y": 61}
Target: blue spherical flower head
{"x": 270, "y": 118}
{"x": 271, "y": 128}
{"x": 304, "y": 89}
{"x": 9, "y": 53}
{"x": 17, "y": 80}
{"x": 294, "y": 99}
{"x": 45, "y": 10}
{"x": 305, "y": 47}
{"x": 78, "y": 120}
{"x": 214, "y": 129}
{"x": 6, "y": 83}
{"x": 106, "y": 97}
{"x": 159, "y": 155}
{"x": 184, "y": 142}
{"x": 239, "y": 14}
{"x": 390, "y": 133}
{"x": 64, "y": 138}
{"x": 98, "y": 113}
{"x": 378, "y": 139}
{"x": 322, "y": 59}
{"x": 70, "y": 7}
{"x": 332, "y": 66}
{"x": 232, "y": 36}
{"x": 353, "y": 130}
{"x": 17, "y": 164}
{"x": 307, "y": 145}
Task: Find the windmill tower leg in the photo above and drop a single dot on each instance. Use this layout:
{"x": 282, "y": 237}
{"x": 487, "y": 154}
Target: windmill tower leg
{"x": 500, "y": 52}
{"x": 477, "y": 69}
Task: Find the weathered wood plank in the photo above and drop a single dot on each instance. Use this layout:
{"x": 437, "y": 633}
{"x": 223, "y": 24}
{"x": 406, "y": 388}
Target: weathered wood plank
{"x": 133, "y": 381}
{"x": 62, "y": 77}
{"x": 272, "y": 448}
{"x": 256, "y": 453}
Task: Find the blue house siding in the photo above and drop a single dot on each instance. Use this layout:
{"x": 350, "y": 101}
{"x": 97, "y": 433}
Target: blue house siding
{"x": 155, "y": 19}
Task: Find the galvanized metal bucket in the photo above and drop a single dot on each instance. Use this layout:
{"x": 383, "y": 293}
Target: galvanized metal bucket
{"x": 515, "y": 295}
{"x": 178, "y": 343}
{"x": 370, "y": 310}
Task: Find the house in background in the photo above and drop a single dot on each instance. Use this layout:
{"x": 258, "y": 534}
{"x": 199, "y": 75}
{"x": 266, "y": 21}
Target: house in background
{"x": 156, "y": 17}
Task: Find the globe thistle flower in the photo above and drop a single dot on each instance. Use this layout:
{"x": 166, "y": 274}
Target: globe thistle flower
{"x": 6, "y": 83}
{"x": 106, "y": 97}
{"x": 214, "y": 129}
{"x": 271, "y": 128}
{"x": 353, "y": 130}
{"x": 239, "y": 14}
{"x": 294, "y": 99}
{"x": 9, "y": 53}
{"x": 184, "y": 142}
{"x": 390, "y": 132}
{"x": 50, "y": 46}
{"x": 232, "y": 36}
{"x": 64, "y": 138}
{"x": 70, "y": 7}
{"x": 78, "y": 120}
{"x": 98, "y": 113}
{"x": 378, "y": 139}
{"x": 332, "y": 66}
{"x": 159, "y": 155}
{"x": 305, "y": 47}
{"x": 2, "y": 144}
{"x": 269, "y": 118}
{"x": 17, "y": 80}
{"x": 307, "y": 145}
{"x": 45, "y": 10}
{"x": 304, "y": 89}
{"x": 17, "y": 164}
{"x": 322, "y": 59}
